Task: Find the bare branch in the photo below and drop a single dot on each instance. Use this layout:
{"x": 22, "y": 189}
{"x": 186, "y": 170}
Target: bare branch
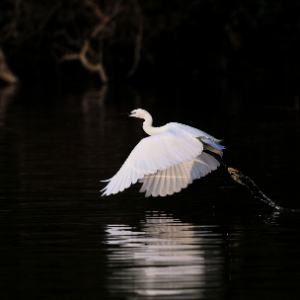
{"x": 100, "y": 27}
{"x": 82, "y": 57}
{"x": 107, "y": 18}
{"x": 96, "y": 9}
{"x": 6, "y": 73}
{"x": 68, "y": 38}
{"x": 138, "y": 39}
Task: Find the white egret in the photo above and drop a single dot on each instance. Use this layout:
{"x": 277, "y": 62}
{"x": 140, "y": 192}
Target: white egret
{"x": 166, "y": 161}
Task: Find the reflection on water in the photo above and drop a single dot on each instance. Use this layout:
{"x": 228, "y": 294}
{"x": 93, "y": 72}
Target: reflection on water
{"x": 164, "y": 258}
{"x": 60, "y": 240}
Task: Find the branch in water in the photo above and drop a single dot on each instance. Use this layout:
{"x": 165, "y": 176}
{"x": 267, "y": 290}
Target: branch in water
{"x": 246, "y": 181}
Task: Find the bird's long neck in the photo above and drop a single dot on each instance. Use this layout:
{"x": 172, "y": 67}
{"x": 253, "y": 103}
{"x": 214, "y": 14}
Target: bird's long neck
{"x": 148, "y": 128}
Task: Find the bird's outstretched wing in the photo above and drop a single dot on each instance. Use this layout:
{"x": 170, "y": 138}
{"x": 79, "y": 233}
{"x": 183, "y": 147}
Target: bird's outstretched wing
{"x": 152, "y": 154}
{"x": 176, "y": 178}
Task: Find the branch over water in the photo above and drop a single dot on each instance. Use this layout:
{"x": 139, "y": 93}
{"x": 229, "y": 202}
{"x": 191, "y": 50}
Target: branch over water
{"x": 254, "y": 189}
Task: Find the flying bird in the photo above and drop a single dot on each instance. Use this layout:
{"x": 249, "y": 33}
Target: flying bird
{"x": 166, "y": 161}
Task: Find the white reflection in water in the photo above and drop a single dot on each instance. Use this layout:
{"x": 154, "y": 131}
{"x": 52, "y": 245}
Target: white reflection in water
{"x": 165, "y": 258}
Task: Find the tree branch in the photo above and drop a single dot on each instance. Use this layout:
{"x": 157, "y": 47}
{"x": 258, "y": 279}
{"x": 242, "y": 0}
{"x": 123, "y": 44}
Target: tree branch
{"x": 6, "y": 74}
{"x": 82, "y": 57}
{"x": 138, "y": 39}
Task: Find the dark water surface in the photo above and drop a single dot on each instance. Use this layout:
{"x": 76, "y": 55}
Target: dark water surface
{"x": 60, "y": 240}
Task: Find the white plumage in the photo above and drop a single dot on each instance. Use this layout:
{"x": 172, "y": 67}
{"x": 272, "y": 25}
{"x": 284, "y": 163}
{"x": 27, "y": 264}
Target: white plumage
{"x": 166, "y": 161}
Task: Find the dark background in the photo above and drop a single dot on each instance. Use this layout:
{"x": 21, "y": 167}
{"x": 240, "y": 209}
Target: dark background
{"x": 180, "y": 40}
{"x": 230, "y": 68}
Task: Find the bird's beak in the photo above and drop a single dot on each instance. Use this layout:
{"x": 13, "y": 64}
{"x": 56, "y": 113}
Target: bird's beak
{"x": 124, "y": 114}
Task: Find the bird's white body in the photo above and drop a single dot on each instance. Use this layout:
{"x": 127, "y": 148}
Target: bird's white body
{"x": 166, "y": 161}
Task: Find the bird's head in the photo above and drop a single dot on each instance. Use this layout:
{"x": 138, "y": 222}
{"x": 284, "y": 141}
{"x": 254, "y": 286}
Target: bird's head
{"x": 138, "y": 113}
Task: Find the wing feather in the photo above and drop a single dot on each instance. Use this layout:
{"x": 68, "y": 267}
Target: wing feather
{"x": 151, "y": 184}
{"x": 152, "y": 154}
{"x": 155, "y": 184}
{"x": 175, "y": 178}
{"x": 166, "y": 184}
{"x": 171, "y": 181}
